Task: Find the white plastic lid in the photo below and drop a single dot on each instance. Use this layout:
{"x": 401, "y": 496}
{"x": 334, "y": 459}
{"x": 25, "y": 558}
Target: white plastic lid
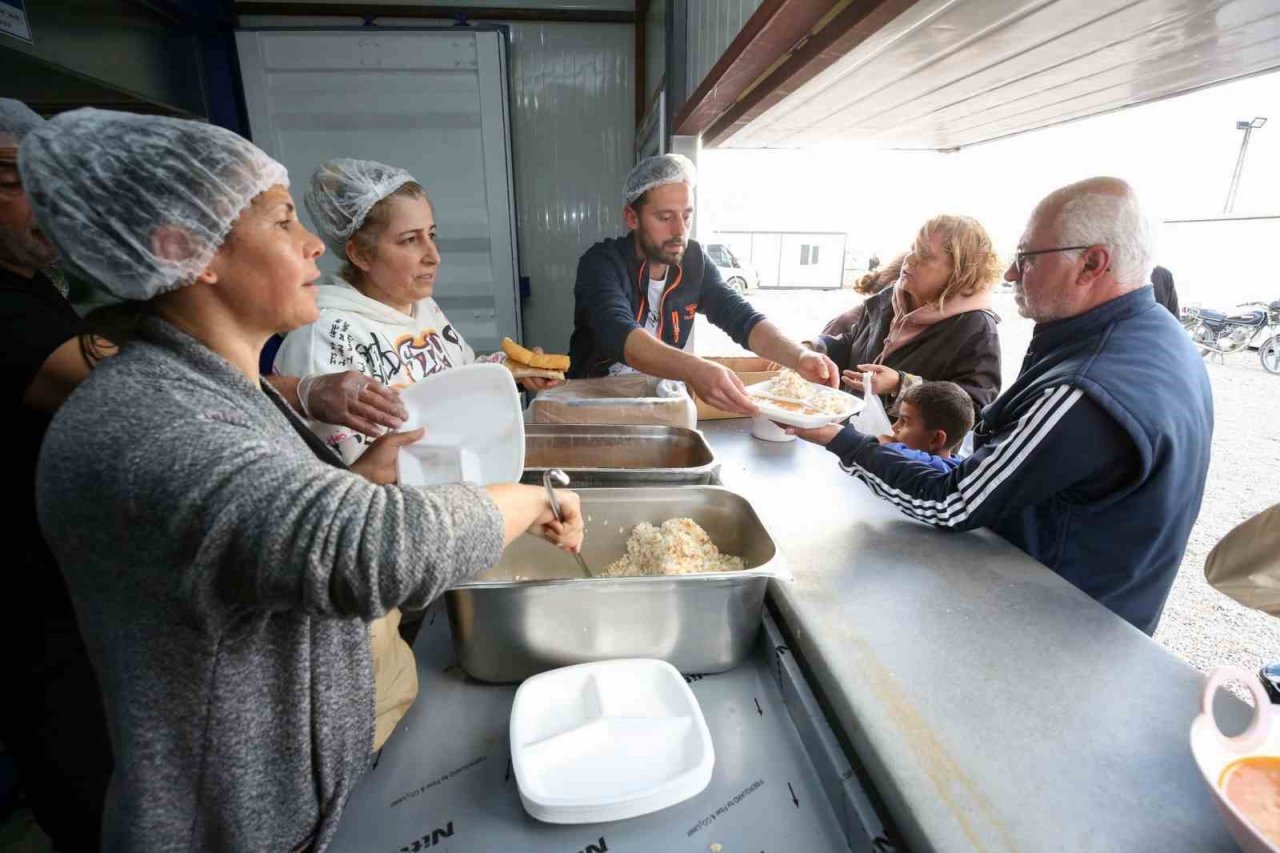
{"x": 607, "y": 741}
{"x": 475, "y": 428}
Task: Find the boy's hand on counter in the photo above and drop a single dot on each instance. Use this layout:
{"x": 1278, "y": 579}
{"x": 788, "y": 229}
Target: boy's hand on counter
{"x": 566, "y": 536}
{"x": 818, "y": 435}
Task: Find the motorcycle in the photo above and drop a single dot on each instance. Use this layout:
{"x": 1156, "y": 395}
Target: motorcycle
{"x": 1218, "y": 333}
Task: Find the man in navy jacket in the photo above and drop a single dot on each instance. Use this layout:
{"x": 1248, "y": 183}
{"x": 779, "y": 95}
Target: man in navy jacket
{"x": 1094, "y": 461}
{"x": 637, "y": 296}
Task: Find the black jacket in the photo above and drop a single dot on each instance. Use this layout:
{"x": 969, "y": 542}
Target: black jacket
{"x": 964, "y": 349}
{"x": 1166, "y": 295}
{"x": 611, "y": 298}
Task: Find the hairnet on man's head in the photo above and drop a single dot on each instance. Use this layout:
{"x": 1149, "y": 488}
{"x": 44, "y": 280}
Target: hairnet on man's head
{"x": 343, "y": 191}
{"x": 102, "y": 183}
{"x": 657, "y": 171}
{"x": 16, "y": 121}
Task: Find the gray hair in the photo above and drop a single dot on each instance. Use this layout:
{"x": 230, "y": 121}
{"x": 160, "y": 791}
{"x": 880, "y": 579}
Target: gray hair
{"x": 1114, "y": 220}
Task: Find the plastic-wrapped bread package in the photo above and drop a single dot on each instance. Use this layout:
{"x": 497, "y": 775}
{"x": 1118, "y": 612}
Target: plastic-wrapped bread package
{"x": 632, "y": 399}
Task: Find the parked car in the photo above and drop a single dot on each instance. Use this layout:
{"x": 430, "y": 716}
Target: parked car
{"x": 737, "y": 273}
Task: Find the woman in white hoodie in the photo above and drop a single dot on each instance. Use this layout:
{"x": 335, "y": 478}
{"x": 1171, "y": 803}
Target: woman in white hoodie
{"x": 377, "y": 317}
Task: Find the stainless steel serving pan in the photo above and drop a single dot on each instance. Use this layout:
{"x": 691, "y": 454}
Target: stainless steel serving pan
{"x": 533, "y": 612}
{"x": 605, "y": 455}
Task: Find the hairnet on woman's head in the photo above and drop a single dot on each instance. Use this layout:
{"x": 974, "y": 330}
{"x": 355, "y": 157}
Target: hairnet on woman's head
{"x": 343, "y": 191}
{"x": 101, "y": 183}
{"x": 657, "y": 171}
{"x": 16, "y": 121}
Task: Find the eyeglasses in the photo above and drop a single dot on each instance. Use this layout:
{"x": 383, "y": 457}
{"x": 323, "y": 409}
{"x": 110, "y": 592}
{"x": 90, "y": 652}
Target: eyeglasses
{"x": 1020, "y": 258}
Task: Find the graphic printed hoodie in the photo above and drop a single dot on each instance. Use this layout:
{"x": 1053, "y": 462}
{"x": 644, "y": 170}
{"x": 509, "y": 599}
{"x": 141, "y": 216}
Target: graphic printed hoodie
{"x": 355, "y": 332}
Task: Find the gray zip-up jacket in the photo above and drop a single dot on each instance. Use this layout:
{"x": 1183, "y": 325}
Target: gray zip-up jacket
{"x": 224, "y": 575}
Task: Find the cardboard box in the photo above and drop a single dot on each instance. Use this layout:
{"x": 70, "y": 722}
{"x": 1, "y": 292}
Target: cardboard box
{"x": 750, "y": 369}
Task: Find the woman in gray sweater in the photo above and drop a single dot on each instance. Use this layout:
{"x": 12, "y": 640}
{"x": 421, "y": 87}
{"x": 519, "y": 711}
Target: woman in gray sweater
{"x": 223, "y": 564}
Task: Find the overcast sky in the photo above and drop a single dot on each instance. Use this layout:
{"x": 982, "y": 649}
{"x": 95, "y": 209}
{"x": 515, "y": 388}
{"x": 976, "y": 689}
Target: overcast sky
{"x": 1179, "y": 154}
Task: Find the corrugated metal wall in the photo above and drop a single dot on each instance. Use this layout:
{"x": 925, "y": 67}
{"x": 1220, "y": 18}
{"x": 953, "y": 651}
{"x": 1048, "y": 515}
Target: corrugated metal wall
{"x": 713, "y": 24}
{"x": 655, "y": 47}
{"x": 573, "y": 126}
{"x": 573, "y": 130}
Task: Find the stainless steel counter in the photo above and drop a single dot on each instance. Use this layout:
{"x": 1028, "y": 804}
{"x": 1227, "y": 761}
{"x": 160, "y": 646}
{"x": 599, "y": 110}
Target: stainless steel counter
{"x": 993, "y": 705}
{"x": 987, "y": 703}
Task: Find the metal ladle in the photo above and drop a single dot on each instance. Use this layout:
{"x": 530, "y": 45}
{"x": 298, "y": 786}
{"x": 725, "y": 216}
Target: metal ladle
{"x": 561, "y": 479}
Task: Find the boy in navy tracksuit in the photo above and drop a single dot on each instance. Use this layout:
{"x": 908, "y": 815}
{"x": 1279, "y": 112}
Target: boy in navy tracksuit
{"x": 1094, "y": 461}
{"x": 933, "y": 419}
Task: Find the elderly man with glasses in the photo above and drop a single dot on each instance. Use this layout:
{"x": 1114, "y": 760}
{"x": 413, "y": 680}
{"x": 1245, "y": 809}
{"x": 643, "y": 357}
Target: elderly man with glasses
{"x": 1094, "y": 461}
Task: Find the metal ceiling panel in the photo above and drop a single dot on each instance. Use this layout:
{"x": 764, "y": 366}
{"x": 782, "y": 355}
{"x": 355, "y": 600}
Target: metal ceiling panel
{"x": 949, "y": 73}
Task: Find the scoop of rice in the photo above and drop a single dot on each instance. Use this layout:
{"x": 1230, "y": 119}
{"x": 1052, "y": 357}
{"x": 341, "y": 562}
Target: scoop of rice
{"x": 822, "y": 401}
{"x": 828, "y": 402}
{"x": 678, "y": 547}
{"x": 790, "y": 384}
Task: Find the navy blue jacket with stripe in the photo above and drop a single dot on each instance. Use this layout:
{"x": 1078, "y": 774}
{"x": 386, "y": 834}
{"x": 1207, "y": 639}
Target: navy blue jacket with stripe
{"x": 1093, "y": 462}
{"x": 611, "y": 298}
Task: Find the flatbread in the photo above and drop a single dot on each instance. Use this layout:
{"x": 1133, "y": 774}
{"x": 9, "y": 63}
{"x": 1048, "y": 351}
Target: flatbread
{"x": 545, "y": 361}
{"x": 522, "y": 371}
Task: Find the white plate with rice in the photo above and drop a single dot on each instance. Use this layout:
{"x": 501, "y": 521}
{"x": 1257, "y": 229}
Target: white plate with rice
{"x": 791, "y": 399}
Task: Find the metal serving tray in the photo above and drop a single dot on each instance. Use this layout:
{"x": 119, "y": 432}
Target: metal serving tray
{"x": 534, "y": 611}
{"x": 603, "y": 455}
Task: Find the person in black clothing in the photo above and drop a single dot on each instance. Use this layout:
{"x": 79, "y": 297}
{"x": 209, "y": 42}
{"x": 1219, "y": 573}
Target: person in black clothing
{"x": 934, "y": 324}
{"x": 51, "y": 719}
{"x": 637, "y": 296}
{"x": 1166, "y": 295}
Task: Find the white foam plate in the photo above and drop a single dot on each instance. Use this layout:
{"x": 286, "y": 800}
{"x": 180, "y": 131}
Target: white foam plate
{"x": 607, "y": 741}
{"x": 475, "y": 428}
{"x": 769, "y": 405}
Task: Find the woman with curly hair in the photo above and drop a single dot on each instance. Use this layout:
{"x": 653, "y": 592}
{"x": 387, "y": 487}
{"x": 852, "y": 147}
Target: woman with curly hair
{"x": 934, "y": 324}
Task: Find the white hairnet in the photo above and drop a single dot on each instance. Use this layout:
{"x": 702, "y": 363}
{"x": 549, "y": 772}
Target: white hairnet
{"x": 16, "y": 121}
{"x": 343, "y": 191}
{"x": 102, "y": 182}
{"x": 657, "y": 171}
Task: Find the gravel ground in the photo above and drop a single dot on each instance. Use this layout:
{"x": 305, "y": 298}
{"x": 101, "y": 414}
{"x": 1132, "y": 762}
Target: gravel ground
{"x": 1200, "y": 625}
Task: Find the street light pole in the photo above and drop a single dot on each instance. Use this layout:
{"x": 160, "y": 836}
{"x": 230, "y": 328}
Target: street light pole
{"x": 1248, "y": 127}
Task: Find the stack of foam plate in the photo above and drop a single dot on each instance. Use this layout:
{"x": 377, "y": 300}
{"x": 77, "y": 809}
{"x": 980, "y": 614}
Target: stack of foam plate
{"x": 475, "y": 428}
{"x": 608, "y": 740}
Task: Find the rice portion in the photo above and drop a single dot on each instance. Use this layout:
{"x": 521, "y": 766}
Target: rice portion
{"x": 678, "y": 547}
{"x": 788, "y": 383}
{"x": 817, "y": 401}
{"x": 828, "y": 403}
